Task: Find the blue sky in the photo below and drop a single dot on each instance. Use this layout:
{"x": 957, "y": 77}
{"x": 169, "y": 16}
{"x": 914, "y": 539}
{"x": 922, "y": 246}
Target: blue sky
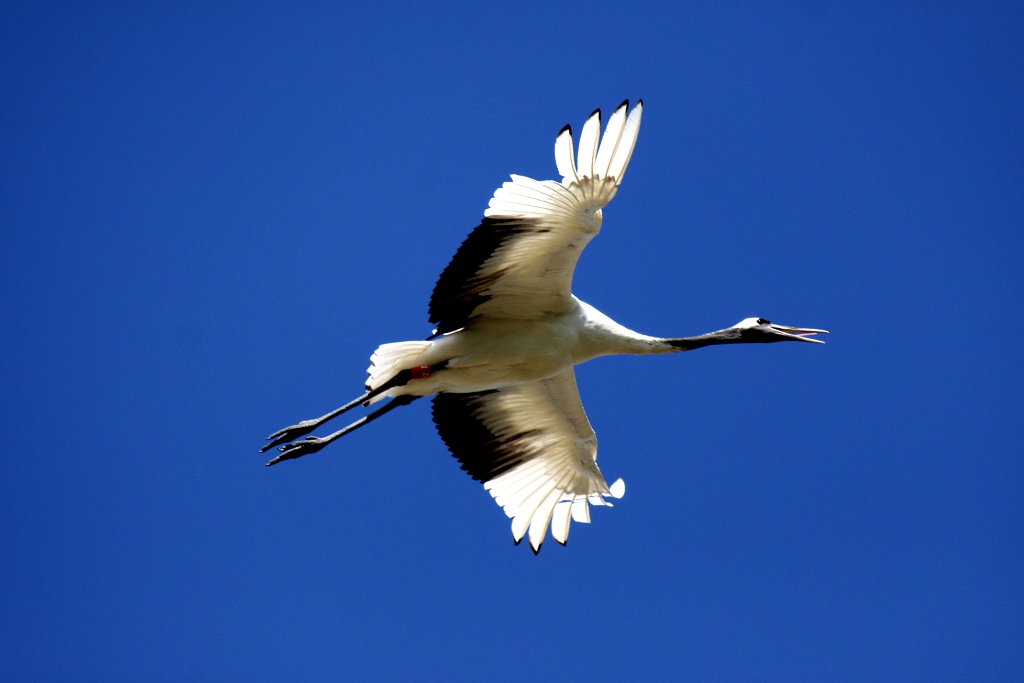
{"x": 213, "y": 214}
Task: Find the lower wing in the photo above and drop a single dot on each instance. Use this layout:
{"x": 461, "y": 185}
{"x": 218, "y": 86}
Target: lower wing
{"x": 534, "y": 450}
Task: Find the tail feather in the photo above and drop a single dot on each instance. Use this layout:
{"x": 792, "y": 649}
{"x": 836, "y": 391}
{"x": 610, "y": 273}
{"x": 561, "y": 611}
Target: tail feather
{"x": 390, "y": 359}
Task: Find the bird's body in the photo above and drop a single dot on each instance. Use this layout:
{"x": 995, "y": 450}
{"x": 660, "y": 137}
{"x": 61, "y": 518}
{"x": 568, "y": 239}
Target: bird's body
{"x": 492, "y": 353}
{"x": 508, "y": 333}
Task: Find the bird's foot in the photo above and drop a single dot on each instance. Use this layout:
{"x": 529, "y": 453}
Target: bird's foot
{"x": 311, "y": 444}
{"x": 290, "y": 434}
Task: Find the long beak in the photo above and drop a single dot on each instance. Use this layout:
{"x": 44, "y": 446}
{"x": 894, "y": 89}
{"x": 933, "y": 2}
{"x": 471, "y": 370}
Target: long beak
{"x": 803, "y": 334}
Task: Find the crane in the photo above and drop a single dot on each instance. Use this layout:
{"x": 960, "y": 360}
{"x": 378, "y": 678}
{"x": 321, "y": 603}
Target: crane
{"x": 499, "y": 362}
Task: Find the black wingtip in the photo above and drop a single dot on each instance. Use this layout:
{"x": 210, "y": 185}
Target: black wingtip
{"x": 625, "y": 103}
{"x": 537, "y": 551}
{"x": 562, "y": 543}
{"x": 639, "y": 103}
{"x": 516, "y": 541}
{"x": 566, "y": 127}
{"x": 596, "y": 112}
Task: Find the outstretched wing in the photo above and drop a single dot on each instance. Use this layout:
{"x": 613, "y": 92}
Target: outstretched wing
{"x": 518, "y": 263}
{"x": 533, "y": 448}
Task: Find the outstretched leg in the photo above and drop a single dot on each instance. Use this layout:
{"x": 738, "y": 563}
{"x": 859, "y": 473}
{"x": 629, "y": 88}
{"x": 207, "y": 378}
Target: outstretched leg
{"x": 306, "y": 426}
{"x": 311, "y": 444}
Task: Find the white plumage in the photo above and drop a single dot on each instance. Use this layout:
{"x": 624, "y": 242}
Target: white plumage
{"x": 509, "y": 332}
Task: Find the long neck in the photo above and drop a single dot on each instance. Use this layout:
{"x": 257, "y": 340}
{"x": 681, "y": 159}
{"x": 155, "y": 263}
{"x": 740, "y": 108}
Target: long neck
{"x": 729, "y": 335}
{"x": 602, "y": 336}
{"x": 625, "y": 341}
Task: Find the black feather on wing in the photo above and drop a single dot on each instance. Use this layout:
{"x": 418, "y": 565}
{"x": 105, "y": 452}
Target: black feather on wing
{"x": 483, "y": 455}
{"x": 461, "y": 288}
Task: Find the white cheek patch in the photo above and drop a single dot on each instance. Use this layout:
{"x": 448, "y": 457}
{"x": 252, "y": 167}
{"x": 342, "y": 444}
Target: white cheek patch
{"x": 746, "y": 323}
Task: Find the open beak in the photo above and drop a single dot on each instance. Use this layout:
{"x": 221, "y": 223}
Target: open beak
{"x": 803, "y": 334}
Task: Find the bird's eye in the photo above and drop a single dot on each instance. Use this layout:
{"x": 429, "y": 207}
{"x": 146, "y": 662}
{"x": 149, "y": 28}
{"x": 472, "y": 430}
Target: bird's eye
{"x": 762, "y": 321}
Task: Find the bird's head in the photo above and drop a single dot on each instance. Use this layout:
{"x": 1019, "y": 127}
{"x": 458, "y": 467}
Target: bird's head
{"x": 759, "y": 330}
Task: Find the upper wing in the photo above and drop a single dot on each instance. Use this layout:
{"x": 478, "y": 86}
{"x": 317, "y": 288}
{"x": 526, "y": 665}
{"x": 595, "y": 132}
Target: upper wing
{"x": 518, "y": 262}
{"x": 533, "y": 448}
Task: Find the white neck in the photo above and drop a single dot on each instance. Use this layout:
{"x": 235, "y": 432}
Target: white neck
{"x": 602, "y": 336}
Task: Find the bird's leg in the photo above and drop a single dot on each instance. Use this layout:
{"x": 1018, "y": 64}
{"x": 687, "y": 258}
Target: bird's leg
{"x": 311, "y": 444}
{"x": 306, "y": 426}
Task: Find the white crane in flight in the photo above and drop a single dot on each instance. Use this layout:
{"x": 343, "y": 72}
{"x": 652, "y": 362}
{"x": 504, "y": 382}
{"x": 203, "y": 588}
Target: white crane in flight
{"x": 509, "y": 331}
